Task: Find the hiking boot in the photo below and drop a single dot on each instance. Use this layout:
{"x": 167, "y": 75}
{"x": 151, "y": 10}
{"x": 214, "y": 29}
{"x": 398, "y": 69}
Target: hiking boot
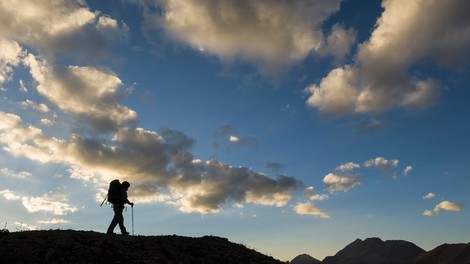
{"x": 125, "y": 233}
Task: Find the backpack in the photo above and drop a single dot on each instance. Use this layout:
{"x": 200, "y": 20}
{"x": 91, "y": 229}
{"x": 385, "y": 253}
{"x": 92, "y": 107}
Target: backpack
{"x": 115, "y": 192}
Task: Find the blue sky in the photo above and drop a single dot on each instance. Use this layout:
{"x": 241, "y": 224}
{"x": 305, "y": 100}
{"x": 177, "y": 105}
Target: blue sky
{"x": 290, "y": 126}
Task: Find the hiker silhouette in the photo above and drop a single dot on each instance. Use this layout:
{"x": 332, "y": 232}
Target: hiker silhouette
{"x": 117, "y": 195}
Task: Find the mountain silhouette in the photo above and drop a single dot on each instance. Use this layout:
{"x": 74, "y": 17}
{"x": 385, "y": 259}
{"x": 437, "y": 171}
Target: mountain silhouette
{"x": 69, "y": 246}
{"x": 304, "y": 259}
{"x": 446, "y": 253}
{"x": 376, "y": 251}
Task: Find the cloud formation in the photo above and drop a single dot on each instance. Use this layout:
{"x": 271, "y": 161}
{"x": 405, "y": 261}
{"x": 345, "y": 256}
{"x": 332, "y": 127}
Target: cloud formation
{"x": 429, "y": 196}
{"x": 54, "y": 221}
{"x": 444, "y": 206}
{"x": 337, "y": 182}
{"x": 349, "y": 166}
{"x": 246, "y": 29}
{"x": 386, "y": 166}
{"x": 94, "y": 93}
{"x": 10, "y": 57}
{"x": 160, "y": 164}
{"x": 309, "y": 208}
{"x": 73, "y": 29}
{"x": 406, "y": 34}
{"x": 54, "y": 203}
{"x": 155, "y": 162}
{"x": 346, "y": 180}
{"x": 311, "y": 195}
{"x": 9, "y": 173}
{"x": 10, "y": 195}
{"x": 407, "y": 170}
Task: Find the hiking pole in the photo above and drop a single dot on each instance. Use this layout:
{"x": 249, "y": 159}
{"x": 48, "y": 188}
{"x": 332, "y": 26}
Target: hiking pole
{"x": 104, "y": 200}
{"x": 132, "y": 209}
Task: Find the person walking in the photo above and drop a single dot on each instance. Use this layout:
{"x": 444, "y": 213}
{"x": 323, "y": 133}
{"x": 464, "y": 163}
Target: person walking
{"x": 118, "y": 207}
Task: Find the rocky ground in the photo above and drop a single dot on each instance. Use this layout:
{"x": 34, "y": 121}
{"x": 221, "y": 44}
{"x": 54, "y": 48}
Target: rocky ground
{"x": 68, "y": 246}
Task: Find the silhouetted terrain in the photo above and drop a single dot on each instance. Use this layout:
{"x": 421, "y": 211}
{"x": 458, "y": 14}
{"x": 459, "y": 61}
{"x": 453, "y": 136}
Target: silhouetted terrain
{"x": 376, "y": 251}
{"x": 304, "y": 259}
{"x": 446, "y": 253}
{"x": 68, "y": 246}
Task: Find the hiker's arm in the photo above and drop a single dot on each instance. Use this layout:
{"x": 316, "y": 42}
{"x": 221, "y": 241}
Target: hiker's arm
{"x": 129, "y": 202}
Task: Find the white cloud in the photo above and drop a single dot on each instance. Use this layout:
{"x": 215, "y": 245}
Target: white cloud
{"x": 427, "y": 213}
{"x": 47, "y": 203}
{"x": 309, "y": 208}
{"x": 243, "y": 141}
{"x": 81, "y": 174}
{"x": 444, "y": 206}
{"x": 336, "y": 94}
{"x": 20, "y": 175}
{"x": 246, "y": 29}
{"x": 448, "y": 206}
{"x": 337, "y": 182}
{"x": 55, "y": 203}
{"x": 386, "y": 166}
{"x": 54, "y": 221}
{"x": 349, "y": 166}
{"x": 407, "y": 33}
{"x": 87, "y": 93}
{"x": 38, "y": 107}
{"x": 234, "y": 139}
{"x": 407, "y": 170}
{"x": 30, "y": 22}
{"x": 9, "y": 195}
{"x": 10, "y": 57}
{"x": 311, "y": 195}
{"x": 429, "y": 196}
{"x": 47, "y": 122}
{"x": 339, "y": 42}
{"x": 22, "y": 226}
{"x": 23, "y": 88}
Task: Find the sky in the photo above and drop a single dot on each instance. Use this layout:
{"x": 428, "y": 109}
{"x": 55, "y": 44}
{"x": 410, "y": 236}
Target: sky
{"x": 291, "y": 126}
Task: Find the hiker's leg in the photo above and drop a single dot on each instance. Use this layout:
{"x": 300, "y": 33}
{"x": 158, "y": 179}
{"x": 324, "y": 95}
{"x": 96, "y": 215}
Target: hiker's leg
{"x": 121, "y": 223}
{"x": 116, "y": 219}
{"x": 113, "y": 224}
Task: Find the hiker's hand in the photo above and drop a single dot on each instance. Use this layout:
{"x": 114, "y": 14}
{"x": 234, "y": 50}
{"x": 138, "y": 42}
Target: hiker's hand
{"x": 132, "y": 204}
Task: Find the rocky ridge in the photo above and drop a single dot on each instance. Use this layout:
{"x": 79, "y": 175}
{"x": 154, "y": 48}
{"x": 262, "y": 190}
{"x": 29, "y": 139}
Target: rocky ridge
{"x": 69, "y": 246}
{"x": 376, "y": 251}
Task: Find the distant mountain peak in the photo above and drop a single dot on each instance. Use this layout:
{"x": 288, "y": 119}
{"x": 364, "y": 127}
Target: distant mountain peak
{"x": 304, "y": 259}
{"x": 446, "y": 253}
{"x": 375, "y": 250}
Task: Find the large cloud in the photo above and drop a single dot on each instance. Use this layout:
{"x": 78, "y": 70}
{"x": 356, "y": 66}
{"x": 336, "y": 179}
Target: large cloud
{"x": 85, "y": 92}
{"x": 407, "y": 33}
{"x": 154, "y": 162}
{"x": 270, "y": 33}
{"x": 72, "y": 29}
